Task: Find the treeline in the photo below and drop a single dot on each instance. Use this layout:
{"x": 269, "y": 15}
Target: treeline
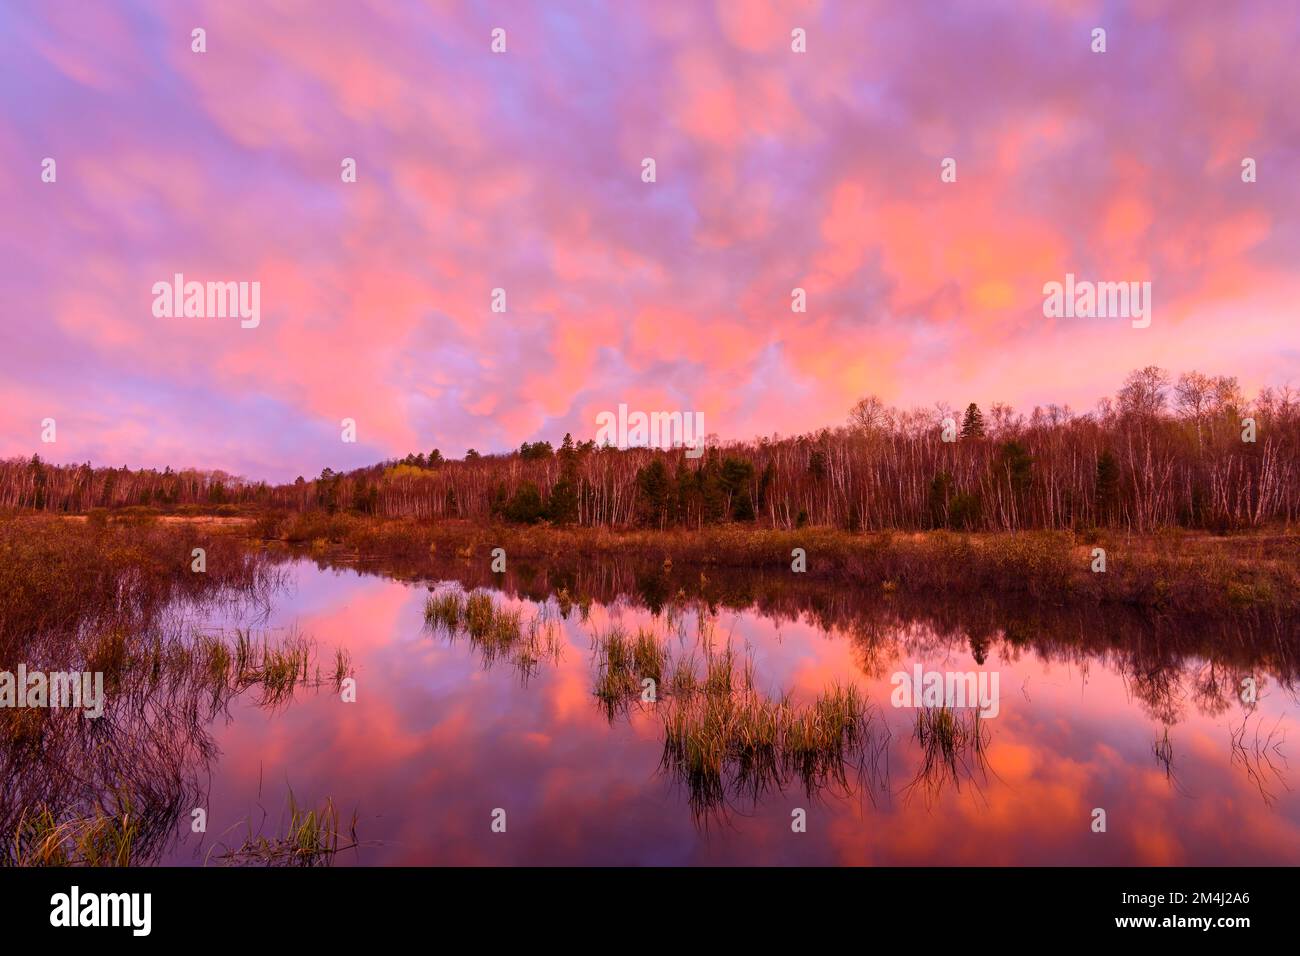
{"x": 1192, "y": 453}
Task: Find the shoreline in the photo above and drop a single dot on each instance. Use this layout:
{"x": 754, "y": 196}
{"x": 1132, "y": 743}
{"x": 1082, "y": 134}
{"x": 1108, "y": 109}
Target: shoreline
{"x": 1171, "y": 571}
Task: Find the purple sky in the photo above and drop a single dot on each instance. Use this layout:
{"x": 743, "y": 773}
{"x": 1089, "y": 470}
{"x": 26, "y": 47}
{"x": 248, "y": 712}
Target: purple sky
{"x": 522, "y": 170}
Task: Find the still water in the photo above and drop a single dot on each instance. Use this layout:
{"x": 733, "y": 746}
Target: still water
{"x": 439, "y": 738}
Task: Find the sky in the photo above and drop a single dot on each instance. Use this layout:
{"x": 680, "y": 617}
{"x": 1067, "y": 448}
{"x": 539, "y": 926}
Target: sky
{"x": 522, "y": 170}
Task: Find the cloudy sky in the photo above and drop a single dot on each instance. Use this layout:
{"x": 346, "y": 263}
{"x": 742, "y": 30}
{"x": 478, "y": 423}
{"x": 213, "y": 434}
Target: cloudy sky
{"x": 523, "y": 171}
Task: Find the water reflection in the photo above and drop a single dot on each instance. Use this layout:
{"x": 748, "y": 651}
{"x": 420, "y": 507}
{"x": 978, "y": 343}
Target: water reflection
{"x": 112, "y": 790}
{"x": 448, "y": 733}
{"x": 769, "y": 699}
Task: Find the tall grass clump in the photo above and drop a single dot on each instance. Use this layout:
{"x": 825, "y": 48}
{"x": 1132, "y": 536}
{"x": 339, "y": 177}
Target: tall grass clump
{"x": 102, "y": 837}
{"x": 310, "y": 839}
{"x": 954, "y": 744}
{"x": 495, "y": 631}
{"x": 724, "y": 739}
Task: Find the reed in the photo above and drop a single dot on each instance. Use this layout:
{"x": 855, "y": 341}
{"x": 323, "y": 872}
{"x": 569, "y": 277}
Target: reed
{"x": 310, "y": 838}
{"x": 444, "y": 610}
{"x": 724, "y": 739}
{"x": 104, "y": 837}
{"x": 496, "y": 631}
{"x": 954, "y": 748}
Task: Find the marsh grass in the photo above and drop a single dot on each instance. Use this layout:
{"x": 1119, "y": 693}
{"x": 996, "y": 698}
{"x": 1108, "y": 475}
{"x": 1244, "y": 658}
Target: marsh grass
{"x": 310, "y": 838}
{"x": 984, "y": 615}
{"x": 649, "y": 657}
{"x": 343, "y": 667}
{"x": 564, "y": 601}
{"x": 102, "y": 792}
{"x": 495, "y": 631}
{"x": 109, "y": 791}
{"x": 105, "y": 837}
{"x": 1163, "y": 750}
{"x": 724, "y": 739}
{"x": 684, "y": 681}
{"x": 445, "y": 610}
{"x": 108, "y": 579}
{"x": 115, "y": 595}
{"x": 222, "y": 665}
{"x": 737, "y": 742}
{"x": 616, "y": 671}
{"x": 819, "y": 740}
{"x": 118, "y": 597}
{"x": 480, "y": 618}
{"x": 954, "y": 748}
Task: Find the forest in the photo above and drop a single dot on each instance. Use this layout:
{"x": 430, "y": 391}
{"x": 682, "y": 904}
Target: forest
{"x": 1189, "y": 452}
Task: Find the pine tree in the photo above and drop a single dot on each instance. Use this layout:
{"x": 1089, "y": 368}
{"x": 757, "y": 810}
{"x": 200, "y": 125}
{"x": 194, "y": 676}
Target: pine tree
{"x": 972, "y": 425}
{"x": 1015, "y": 462}
{"x": 525, "y": 505}
{"x": 562, "y": 508}
{"x": 654, "y": 493}
{"x": 568, "y": 456}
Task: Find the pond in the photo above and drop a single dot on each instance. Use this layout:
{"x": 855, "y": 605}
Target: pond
{"x": 458, "y": 752}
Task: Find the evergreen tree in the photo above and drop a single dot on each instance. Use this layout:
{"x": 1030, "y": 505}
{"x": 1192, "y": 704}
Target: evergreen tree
{"x": 536, "y": 451}
{"x": 734, "y": 480}
{"x": 737, "y": 473}
{"x": 972, "y": 425}
{"x": 1015, "y": 462}
{"x": 525, "y": 505}
{"x": 562, "y": 508}
{"x": 654, "y": 494}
